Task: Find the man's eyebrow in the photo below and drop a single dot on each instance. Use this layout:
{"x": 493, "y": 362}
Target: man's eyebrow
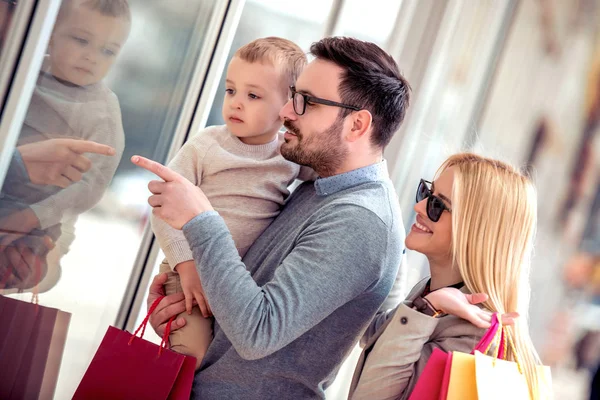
{"x": 306, "y": 92}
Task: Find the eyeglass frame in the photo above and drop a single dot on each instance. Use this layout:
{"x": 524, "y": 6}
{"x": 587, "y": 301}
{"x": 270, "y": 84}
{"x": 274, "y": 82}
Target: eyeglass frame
{"x": 430, "y": 196}
{"x": 311, "y": 99}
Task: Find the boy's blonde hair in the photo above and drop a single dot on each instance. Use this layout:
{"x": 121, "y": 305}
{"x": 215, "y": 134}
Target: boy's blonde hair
{"x": 283, "y": 54}
{"x": 110, "y": 8}
{"x": 494, "y": 218}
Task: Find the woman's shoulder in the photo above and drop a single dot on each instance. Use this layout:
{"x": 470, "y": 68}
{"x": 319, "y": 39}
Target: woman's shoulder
{"x": 456, "y": 334}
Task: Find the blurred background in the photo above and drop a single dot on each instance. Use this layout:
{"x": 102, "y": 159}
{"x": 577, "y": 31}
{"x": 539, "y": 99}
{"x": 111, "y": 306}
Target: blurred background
{"x": 514, "y": 79}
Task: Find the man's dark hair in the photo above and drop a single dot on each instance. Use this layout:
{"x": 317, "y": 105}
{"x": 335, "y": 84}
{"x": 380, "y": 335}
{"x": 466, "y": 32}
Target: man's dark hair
{"x": 371, "y": 80}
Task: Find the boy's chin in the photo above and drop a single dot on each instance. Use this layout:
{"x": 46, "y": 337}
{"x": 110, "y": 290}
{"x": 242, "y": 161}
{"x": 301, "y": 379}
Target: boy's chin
{"x": 236, "y": 130}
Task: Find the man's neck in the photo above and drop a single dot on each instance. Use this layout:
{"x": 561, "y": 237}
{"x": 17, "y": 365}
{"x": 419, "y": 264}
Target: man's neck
{"x": 354, "y": 162}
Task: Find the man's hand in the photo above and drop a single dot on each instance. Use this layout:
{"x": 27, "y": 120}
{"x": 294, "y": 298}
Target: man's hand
{"x": 453, "y": 301}
{"x": 168, "y": 307}
{"x": 175, "y": 200}
{"x": 60, "y": 162}
{"x": 17, "y": 225}
{"x": 192, "y": 288}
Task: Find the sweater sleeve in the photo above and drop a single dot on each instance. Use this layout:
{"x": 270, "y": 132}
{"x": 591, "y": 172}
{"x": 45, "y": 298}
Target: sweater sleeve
{"x": 17, "y": 172}
{"x": 311, "y": 283}
{"x": 188, "y": 163}
{"x": 83, "y": 195}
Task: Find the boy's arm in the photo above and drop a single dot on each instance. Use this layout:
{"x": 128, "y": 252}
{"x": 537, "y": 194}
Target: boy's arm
{"x": 17, "y": 173}
{"x": 187, "y": 162}
{"x": 83, "y": 195}
{"x": 327, "y": 268}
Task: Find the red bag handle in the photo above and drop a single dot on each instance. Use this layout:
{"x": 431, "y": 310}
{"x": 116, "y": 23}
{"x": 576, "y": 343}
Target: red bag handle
{"x": 491, "y": 336}
{"x": 165, "y": 338}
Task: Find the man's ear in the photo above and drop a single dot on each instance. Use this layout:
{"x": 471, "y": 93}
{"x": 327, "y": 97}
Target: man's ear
{"x": 360, "y": 125}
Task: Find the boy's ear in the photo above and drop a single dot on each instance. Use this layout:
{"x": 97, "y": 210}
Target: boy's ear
{"x": 360, "y": 125}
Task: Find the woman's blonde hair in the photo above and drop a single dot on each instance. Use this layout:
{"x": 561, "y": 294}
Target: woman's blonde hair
{"x": 494, "y": 218}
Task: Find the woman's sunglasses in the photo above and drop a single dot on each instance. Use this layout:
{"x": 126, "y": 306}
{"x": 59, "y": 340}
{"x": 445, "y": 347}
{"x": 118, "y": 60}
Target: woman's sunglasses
{"x": 435, "y": 205}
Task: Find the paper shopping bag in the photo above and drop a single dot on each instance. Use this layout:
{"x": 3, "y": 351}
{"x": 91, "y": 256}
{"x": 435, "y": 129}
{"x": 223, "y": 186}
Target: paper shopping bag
{"x": 492, "y": 374}
{"x": 32, "y": 340}
{"x": 462, "y": 385}
{"x": 430, "y": 382}
{"x": 128, "y": 367}
{"x": 434, "y": 381}
{"x": 478, "y": 376}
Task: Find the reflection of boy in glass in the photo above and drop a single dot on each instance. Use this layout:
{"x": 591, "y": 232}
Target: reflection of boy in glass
{"x": 239, "y": 167}
{"x": 70, "y": 100}
{"x": 7, "y": 9}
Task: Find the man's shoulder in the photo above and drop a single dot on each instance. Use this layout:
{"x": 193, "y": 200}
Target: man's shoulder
{"x": 377, "y": 197}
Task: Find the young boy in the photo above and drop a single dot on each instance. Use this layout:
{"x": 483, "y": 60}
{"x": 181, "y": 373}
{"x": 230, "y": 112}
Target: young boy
{"x": 240, "y": 169}
{"x": 70, "y": 100}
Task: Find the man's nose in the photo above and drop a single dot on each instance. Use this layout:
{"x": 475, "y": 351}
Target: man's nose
{"x": 287, "y": 112}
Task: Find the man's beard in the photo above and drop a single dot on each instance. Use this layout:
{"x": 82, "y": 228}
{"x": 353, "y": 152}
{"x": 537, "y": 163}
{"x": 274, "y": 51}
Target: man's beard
{"x": 322, "y": 151}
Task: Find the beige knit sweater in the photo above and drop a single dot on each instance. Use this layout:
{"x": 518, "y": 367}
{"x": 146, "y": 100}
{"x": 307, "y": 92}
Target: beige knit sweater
{"x": 246, "y": 184}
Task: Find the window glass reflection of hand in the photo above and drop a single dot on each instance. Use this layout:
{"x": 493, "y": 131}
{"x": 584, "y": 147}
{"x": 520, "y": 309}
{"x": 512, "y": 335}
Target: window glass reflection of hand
{"x": 17, "y": 225}
{"x": 23, "y": 263}
{"x": 59, "y": 162}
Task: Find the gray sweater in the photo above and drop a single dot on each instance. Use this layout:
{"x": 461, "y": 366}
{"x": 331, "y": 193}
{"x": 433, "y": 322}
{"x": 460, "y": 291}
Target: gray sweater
{"x": 313, "y": 282}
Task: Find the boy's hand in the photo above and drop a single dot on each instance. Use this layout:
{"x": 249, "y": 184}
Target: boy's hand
{"x": 192, "y": 288}
{"x": 175, "y": 200}
{"x": 60, "y": 162}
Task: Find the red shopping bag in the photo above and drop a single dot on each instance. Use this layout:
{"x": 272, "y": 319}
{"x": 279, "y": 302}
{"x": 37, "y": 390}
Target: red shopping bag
{"x": 32, "y": 340}
{"x": 435, "y": 378}
{"x": 429, "y": 385}
{"x": 128, "y": 367}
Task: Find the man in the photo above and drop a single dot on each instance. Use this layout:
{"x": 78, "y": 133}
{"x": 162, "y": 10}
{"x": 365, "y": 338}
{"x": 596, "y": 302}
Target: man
{"x": 287, "y": 316}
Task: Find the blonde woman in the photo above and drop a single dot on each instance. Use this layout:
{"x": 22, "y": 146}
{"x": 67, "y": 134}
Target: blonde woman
{"x": 475, "y": 223}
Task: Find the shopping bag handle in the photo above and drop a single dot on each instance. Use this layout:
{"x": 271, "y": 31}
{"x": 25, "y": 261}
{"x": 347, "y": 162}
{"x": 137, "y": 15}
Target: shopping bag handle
{"x": 498, "y": 334}
{"x": 165, "y": 339}
{"x": 490, "y": 337}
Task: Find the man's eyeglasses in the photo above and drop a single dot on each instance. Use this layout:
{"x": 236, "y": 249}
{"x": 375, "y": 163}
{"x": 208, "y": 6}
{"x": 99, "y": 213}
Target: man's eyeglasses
{"x": 300, "y": 100}
{"x": 435, "y": 205}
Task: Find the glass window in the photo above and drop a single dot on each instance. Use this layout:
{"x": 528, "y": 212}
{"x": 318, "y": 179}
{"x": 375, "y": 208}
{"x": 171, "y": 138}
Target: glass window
{"x": 7, "y": 10}
{"x": 118, "y": 78}
{"x": 13, "y": 22}
{"x": 300, "y": 22}
{"x": 372, "y": 21}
